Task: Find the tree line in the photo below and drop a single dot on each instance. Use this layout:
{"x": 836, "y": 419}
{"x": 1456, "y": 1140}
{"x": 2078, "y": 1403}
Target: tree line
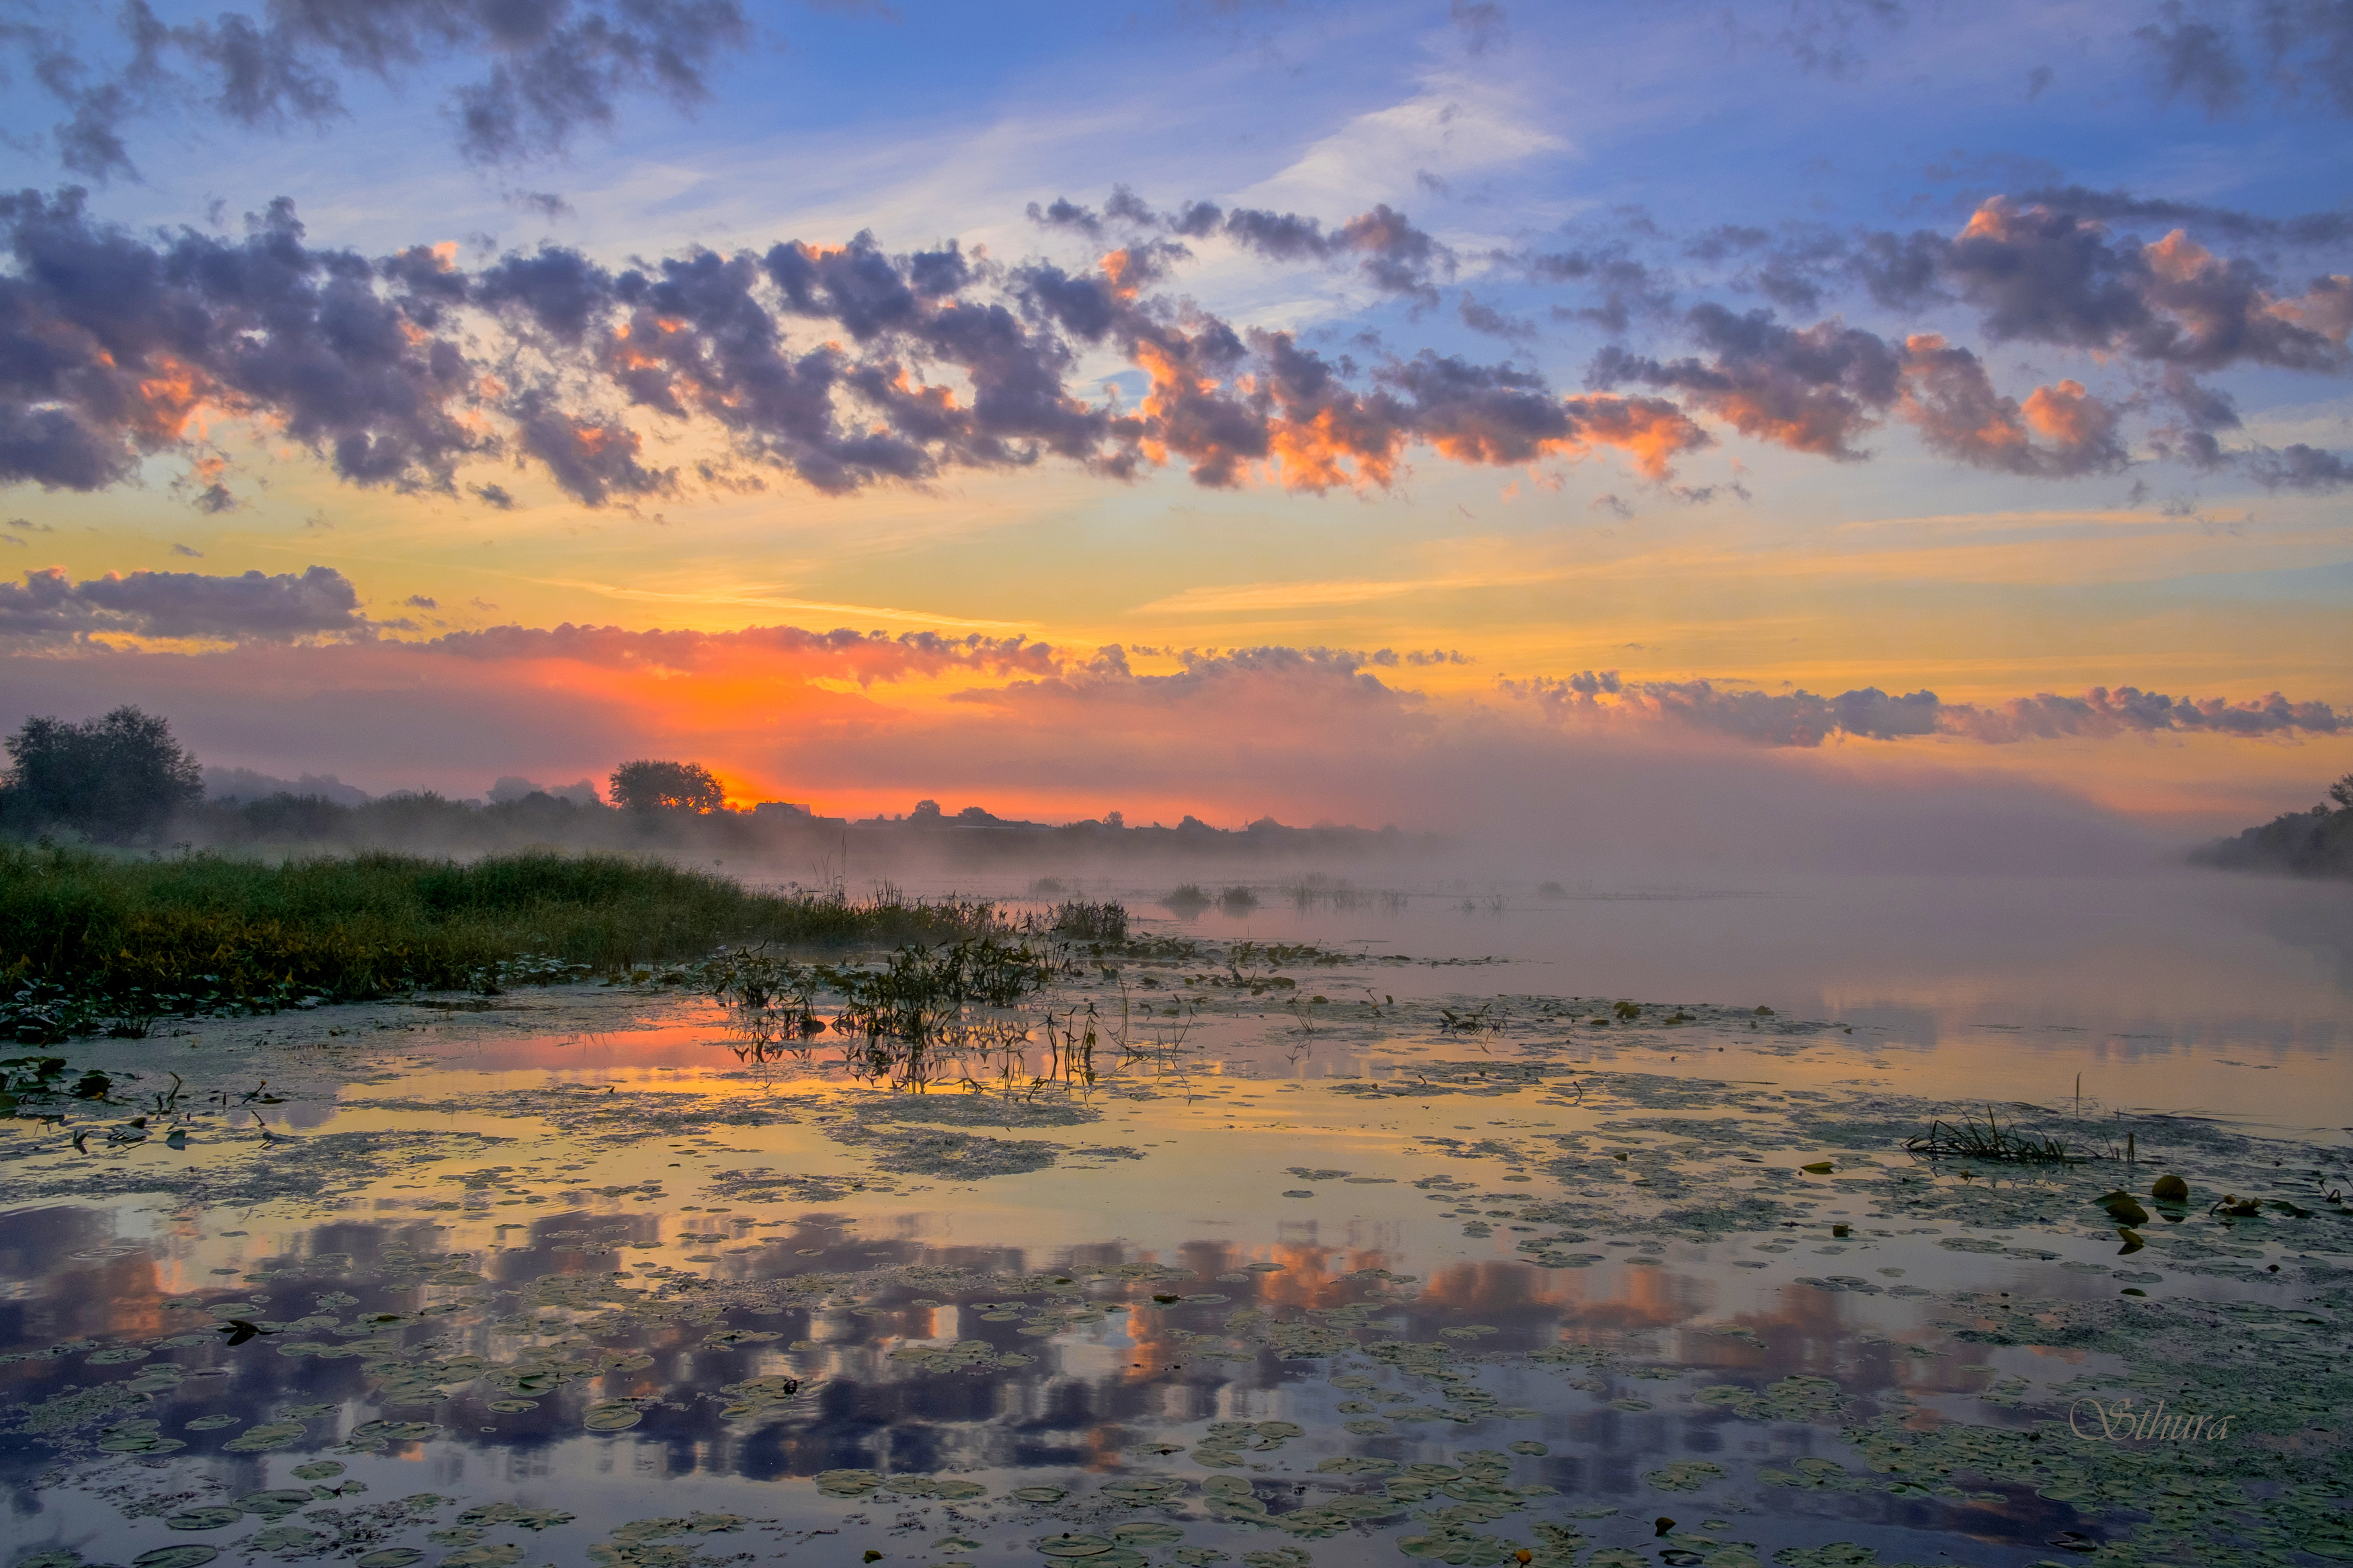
{"x": 124, "y": 779}
{"x": 2316, "y": 843}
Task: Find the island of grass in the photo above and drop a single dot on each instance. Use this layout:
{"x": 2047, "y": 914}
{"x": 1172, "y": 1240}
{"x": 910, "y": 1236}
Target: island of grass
{"x": 95, "y": 941}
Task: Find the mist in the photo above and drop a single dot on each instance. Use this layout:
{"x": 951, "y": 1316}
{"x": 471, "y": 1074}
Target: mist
{"x": 1469, "y": 787}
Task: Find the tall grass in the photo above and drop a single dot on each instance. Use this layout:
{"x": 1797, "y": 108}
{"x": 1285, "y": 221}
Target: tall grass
{"x": 84, "y": 936}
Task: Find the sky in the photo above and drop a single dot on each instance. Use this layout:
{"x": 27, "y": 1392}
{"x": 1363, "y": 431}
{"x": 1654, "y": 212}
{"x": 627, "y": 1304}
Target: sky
{"x": 1220, "y": 408}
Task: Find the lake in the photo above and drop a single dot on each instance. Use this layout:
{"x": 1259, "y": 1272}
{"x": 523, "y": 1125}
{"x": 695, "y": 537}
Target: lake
{"x": 1810, "y": 1221}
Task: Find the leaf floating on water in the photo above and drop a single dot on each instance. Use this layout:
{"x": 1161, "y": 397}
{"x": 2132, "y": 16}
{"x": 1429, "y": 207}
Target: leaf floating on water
{"x": 512, "y": 1407}
{"x": 1685, "y": 1475}
{"x": 1018, "y": 1494}
{"x": 284, "y": 1538}
{"x": 1147, "y": 1533}
{"x": 215, "y": 1518}
{"x": 2170, "y": 1189}
{"x": 850, "y": 1483}
{"x": 2123, "y": 1208}
{"x": 213, "y": 1422}
{"x": 1068, "y": 1545}
{"x": 2133, "y": 1243}
{"x": 274, "y": 1504}
{"x": 1819, "y": 1168}
{"x": 265, "y": 1438}
{"x": 495, "y": 1554}
{"x": 391, "y": 1557}
{"x": 318, "y": 1470}
{"x": 612, "y": 1415}
{"x": 191, "y": 1555}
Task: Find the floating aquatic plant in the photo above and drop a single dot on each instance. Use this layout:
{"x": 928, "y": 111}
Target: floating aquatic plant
{"x": 1943, "y": 1140}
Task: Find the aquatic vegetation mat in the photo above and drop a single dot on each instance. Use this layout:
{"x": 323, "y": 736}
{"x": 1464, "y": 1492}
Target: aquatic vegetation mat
{"x": 1037, "y": 1262}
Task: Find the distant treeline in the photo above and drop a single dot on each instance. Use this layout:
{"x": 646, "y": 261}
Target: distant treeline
{"x": 123, "y": 780}
{"x": 426, "y": 821}
{"x": 431, "y": 822}
{"x": 2316, "y": 843}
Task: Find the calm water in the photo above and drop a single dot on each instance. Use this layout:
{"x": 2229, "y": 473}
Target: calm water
{"x": 1416, "y": 1244}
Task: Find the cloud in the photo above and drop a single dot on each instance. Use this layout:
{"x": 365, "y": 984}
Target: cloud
{"x": 111, "y": 345}
{"x": 1481, "y": 23}
{"x": 1813, "y": 389}
{"x": 2043, "y": 274}
{"x": 2303, "y": 229}
{"x": 2194, "y": 60}
{"x": 850, "y": 366}
{"x": 2299, "y": 467}
{"x": 184, "y": 549}
{"x": 420, "y": 602}
{"x": 1486, "y": 318}
{"x": 1805, "y": 720}
{"x": 840, "y": 655}
{"x": 1391, "y": 252}
{"x": 2304, "y": 48}
{"x": 1947, "y": 394}
{"x": 546, "y": 71}
{"x": 48, "y": 607}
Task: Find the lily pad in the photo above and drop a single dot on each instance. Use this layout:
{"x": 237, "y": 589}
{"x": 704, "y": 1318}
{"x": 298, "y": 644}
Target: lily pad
{"x": 213, "y": 1422}
{"x": 1041, "y": 1495}
{"x": 214, "y": 1518}
{"x": 274, "y": 1504}
{"x": 191, "y": 1555}
{"x": 1068, "y": 1545}
{"x": 1147, "y": 1533}
{"x": 390, "y": 1557}
{"x": 612, "y": 1415}
{"x": 850, "y": 1483}
{"x": 284, "y": 1538}
{"x": 512, "y": 1407}
{"x": 492, "y": 1554}
{"x": 264, "y": 1438}
{"x": 318, "y": 1470}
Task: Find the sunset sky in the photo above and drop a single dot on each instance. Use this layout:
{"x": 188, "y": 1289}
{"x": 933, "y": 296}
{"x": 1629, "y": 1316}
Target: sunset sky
{"x": 1218, "y": 407}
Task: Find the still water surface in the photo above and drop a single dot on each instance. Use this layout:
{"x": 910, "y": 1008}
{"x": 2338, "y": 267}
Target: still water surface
{"x": 1414, "y": 1244}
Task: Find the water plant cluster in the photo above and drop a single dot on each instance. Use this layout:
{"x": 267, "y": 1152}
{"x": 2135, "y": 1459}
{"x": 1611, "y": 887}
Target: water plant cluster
{"x": 95, "y": 942}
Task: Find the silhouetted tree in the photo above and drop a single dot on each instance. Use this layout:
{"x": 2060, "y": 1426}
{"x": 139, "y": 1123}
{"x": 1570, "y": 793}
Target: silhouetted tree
{"x": 666, "y": 786}
{"x": 2341, "y": 792}
{"x": 113, "y": 779}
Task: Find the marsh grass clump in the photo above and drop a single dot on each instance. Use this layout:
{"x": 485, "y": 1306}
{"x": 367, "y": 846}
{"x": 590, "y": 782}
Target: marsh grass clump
{"x": 1187, "y": 899}
{"x": 1084, "y": 922}
{"x": 1991, "y": 1142}
{"x": 917, "y": 1000}
{"x": 90, "y": 940}
{"x": 1237, "y": 901}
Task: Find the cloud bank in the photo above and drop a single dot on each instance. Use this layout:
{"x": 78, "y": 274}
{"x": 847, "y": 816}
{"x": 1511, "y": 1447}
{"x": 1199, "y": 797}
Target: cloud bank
{"x": 846, "y": 366}
{"x": 46, "y": 608}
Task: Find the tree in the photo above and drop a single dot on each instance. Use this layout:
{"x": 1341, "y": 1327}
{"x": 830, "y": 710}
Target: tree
{"x": 113, "y": 779}
{"x": 2341, "y": 792}
{"x": 666, "y": 786}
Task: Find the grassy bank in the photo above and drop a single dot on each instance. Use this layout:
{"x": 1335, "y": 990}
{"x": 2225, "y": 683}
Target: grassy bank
{"x": 90, "y": 941}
